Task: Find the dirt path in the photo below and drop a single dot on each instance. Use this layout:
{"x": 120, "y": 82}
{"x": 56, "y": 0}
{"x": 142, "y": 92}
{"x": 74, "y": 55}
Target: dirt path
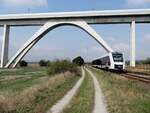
{"x": 61, "y": 104}
{"x": 100, "y": 106}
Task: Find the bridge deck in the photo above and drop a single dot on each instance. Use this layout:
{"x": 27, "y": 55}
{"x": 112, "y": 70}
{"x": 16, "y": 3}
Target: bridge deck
{"x": 91, "y": 17}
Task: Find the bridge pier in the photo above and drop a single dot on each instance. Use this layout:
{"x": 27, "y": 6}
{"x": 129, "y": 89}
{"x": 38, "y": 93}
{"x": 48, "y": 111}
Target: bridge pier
{"x": 132, "y": 44}
{"x": 5, "y": 46}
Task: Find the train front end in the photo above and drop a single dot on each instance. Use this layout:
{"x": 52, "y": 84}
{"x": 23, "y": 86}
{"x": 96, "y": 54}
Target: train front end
{"x": 117, "y": 61}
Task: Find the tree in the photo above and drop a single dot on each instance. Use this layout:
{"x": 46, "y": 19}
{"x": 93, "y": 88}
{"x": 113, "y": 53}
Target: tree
{"x": 43, "y": 63}
{"x": 23, "y": 63}
{"x": 147, "y": 61}
{"x": 78, "y": 60}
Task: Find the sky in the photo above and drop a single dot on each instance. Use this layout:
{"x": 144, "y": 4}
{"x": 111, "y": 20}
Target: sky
{"x": 69, "y": 42}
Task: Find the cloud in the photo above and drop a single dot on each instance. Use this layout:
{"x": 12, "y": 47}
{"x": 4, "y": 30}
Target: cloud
{"x": 22, "y": 3}
{"x": 137, "y": 2}
{"x": 45, "y": 49}
{"x": 147, "y": 37}
{"x": 93, "y": 49}
{"x": 121, "y": 47}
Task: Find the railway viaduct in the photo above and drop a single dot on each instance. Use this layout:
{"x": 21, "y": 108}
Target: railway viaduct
{"x": 82, "y": 19}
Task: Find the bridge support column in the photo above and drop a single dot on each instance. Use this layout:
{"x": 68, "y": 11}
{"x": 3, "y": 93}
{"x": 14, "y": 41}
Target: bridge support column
{"x": 5, "y": 46}
{"x": 132, "y": 44}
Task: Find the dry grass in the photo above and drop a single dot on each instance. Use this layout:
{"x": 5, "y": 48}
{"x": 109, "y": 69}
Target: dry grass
{"x": 119, "y": 77}
{"x": 9, "y": 103}
{"x": 7, "y": 78}
{"x": 123, "y": 95}
{"x": 141, "y": 69}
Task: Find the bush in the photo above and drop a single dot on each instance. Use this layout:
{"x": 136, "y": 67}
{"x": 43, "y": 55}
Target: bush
{"x": 23, "y": 63}
{"x": 147, "y": 61}
{"x": 43, "y": 63}
{"x": 61, "y": 66}
{"x": 78, "y": 60}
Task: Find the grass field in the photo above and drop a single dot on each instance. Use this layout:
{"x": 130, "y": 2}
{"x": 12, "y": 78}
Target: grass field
{"x": 140, "y": 69}
{"x": 16, "y": 80}
{"x": 83, "y": 102}
{"x": 123, "y": 95}
{"x": 31, "y": 90}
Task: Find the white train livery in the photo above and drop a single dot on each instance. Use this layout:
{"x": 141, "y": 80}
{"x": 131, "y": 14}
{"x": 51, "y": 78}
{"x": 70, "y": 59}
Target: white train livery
{"x": 113, "y": 61}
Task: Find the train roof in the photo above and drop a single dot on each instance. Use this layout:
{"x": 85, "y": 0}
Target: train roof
{"x": 108, "y": 55}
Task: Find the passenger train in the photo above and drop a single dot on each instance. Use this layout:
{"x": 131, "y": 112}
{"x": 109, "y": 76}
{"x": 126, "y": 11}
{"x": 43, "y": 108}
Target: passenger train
{"x": 112, "y": 61}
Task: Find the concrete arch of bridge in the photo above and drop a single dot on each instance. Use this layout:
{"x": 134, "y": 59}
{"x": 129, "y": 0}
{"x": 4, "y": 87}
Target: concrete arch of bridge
{"x": 47, "y": 27}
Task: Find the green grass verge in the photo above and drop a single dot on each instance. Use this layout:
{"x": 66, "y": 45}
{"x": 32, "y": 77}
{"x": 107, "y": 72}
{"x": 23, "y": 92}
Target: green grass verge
{"x": 123, "y": 95}
{"x": 26, "y": 78}
{"x": 47, "y": 97}
{"x": 83, "y": 101}
{"x": 30, "y": 90}
{"x": 18, "y": 85}
{"x": 24, "y": 71}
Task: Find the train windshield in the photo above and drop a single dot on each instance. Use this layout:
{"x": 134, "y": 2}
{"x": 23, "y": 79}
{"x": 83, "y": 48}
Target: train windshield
{"x": 117, "y": 57}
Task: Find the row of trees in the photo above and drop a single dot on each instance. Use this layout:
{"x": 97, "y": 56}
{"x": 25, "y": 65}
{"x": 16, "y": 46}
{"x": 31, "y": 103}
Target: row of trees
{"x": 146, "y": 61}
{"x": 78, "y": 61}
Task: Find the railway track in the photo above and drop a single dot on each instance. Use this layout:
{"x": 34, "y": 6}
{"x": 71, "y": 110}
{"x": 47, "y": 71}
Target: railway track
{"x": 134, "y": 76}
{"x": 142, "y": 78}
